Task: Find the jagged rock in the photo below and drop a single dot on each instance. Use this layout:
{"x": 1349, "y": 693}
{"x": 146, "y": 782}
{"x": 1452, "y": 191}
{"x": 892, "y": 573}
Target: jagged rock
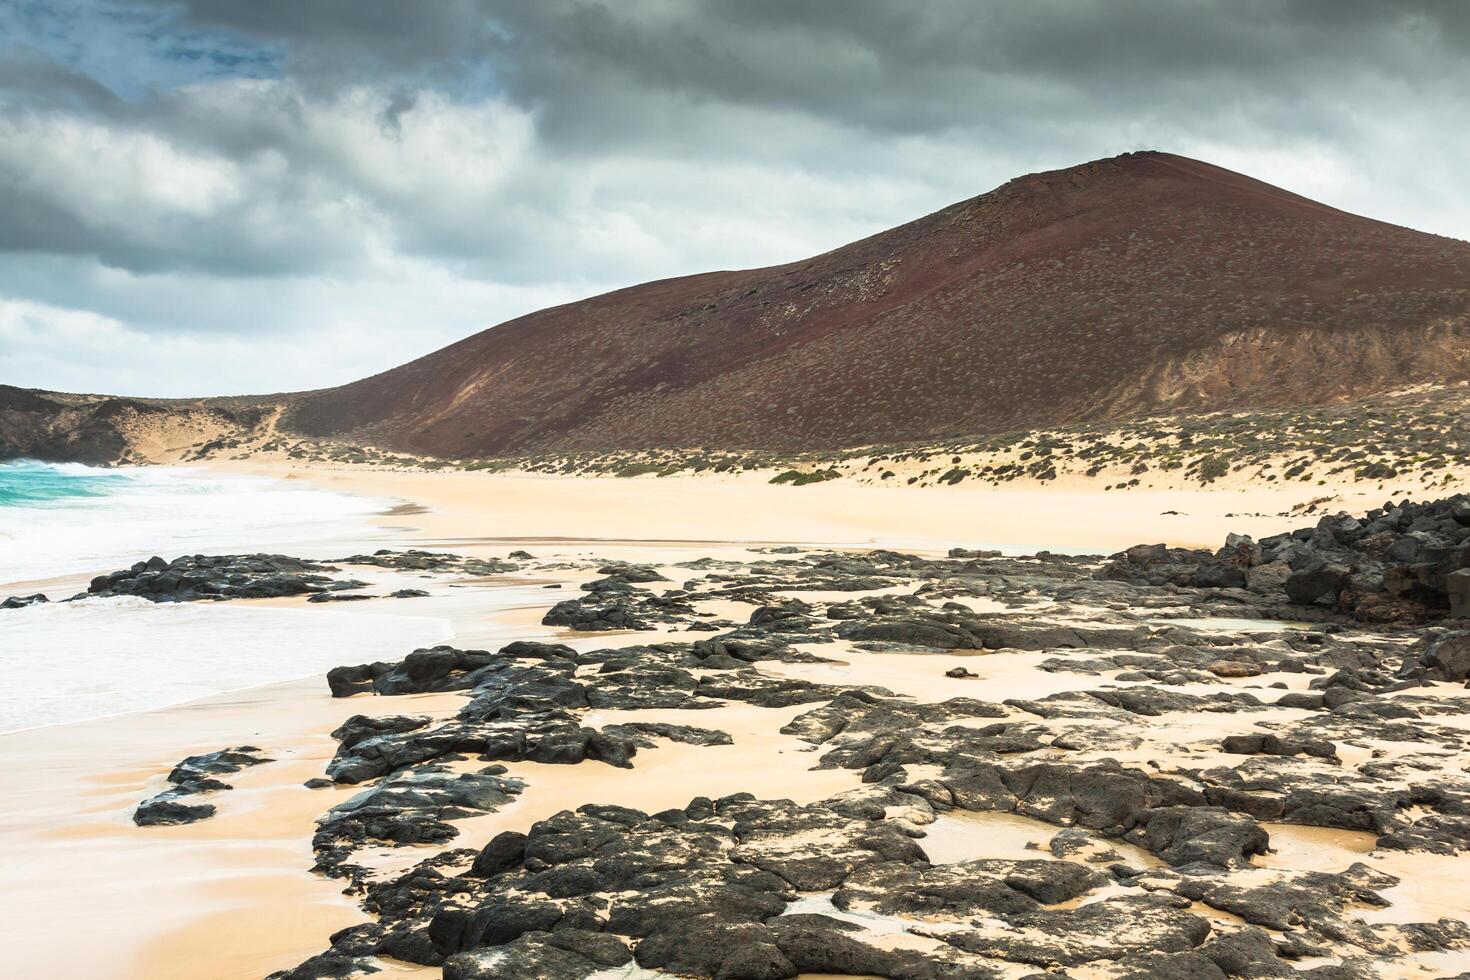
{"x": 1441, "y": 658}
{"x": 1107, "y": 930}
{"x": 200, "y": 577}
{"x": 190, "y": 777}
{"x": 409, "y": 808}
{"x": 1185, "y": 835}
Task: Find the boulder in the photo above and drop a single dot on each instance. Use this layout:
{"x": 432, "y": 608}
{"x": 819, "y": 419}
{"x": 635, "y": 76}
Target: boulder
{"x": 1322, "y": 581}
{"x": 1457, "y": 587}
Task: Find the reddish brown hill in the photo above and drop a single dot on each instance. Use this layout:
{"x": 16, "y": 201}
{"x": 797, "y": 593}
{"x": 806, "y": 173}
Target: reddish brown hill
{"x": 1132, "y": 285}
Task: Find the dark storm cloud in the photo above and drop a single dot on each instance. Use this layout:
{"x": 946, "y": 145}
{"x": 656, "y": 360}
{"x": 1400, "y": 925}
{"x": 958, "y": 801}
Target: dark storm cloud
{"x": 765, "y": 81}
{"x": 510, "y": 153}
{"x": 894, "y": 67}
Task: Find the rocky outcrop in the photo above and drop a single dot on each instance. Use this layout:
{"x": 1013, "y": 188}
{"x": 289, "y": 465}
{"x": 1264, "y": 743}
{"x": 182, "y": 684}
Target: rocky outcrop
{"x": 1152, "y": 764}
{"x": 204, "y": 577}
{"x": 1401, "y": 563}
{"x": 191, "y": 777}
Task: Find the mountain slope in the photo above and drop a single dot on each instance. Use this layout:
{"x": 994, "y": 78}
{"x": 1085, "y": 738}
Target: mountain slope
{"x": 1121, "y": 287}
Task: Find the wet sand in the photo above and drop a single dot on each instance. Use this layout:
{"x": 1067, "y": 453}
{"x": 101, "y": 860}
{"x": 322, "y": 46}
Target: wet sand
{"x": 235, "y": 890}
{"x": 156, "y": 902}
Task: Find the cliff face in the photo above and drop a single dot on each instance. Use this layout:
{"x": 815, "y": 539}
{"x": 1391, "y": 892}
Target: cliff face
{"x": 1138, "y": 284}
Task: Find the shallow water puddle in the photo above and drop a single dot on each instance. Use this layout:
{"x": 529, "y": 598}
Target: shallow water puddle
{"x": 965, "y": 835}
{"x": 1433, "y": 886}
{"x": 1300, "y": 848}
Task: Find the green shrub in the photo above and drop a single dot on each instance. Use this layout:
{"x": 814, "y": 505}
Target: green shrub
{"x": 1213, "y": 467}
{"x": 799, "y": 479}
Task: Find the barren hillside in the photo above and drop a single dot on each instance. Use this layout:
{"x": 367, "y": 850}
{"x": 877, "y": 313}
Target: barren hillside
{"x": 1143, "y": 283}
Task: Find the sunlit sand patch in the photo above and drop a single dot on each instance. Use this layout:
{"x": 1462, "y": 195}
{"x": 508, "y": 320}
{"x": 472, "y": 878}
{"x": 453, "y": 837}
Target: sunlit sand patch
{"x": 727, "y": 609}
{"x": 839, "y": 595}
{"x": 1421, "y": 966}
{"x": 988, "y": 606}
{"x": 921, "y": 674}
{"x": 964, "y": 835}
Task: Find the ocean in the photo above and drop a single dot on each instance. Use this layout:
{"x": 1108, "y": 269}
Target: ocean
{"x": 59, "y": 519}
{"x": 60, "y": 524}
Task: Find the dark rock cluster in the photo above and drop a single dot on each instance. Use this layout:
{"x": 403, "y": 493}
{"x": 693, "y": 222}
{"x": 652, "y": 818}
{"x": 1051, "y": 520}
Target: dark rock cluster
{"x": 1160, "y": 760}
{"x": 195, "y": 577}
{"x": 432, "y": 562}
{"x": 614, "y": 602}
{"x": 1400, "y": 563}
{"x": 191, "y": 777}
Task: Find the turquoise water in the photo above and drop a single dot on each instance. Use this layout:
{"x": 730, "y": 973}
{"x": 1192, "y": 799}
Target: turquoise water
{"x": 61, "y": 519}
{"x": 27, "y": 483}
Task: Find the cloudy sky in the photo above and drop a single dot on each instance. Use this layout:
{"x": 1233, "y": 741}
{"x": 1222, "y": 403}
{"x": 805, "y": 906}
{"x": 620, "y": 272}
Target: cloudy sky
{"x": 220, "y": 196}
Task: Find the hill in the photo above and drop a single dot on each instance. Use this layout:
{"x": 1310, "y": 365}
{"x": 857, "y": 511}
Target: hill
{"x": 1142, "y": 285}
{"x": 1124, "y": 287}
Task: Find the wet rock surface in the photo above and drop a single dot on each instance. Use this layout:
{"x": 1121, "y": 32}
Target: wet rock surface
{"x": 1162, "y": 766}
{"x": 205, "y": 577}
{"x": 192, "y": 777}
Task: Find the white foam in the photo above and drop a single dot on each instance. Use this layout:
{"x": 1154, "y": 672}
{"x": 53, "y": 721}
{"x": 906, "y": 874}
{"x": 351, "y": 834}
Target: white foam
{"x": 171, "y": 511}
{"x": 98, "y": 657}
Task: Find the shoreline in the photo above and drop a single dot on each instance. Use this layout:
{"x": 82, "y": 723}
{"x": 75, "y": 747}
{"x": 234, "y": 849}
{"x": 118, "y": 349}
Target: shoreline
{"x": 169, "y": 897}
{"x": 165, "y": 898}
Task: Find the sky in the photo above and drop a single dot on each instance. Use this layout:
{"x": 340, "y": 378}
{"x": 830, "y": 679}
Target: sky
{"x": 218, "y": 197}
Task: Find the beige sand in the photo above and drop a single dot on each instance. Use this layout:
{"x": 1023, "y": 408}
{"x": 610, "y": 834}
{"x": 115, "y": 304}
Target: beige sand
{"x": 234, "y": 892}
{"x": 471, "y": 507}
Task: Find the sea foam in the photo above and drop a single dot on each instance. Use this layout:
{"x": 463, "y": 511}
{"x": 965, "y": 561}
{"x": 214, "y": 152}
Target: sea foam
{"x": 67, "y": 519}
{"x": 99, "y": 657}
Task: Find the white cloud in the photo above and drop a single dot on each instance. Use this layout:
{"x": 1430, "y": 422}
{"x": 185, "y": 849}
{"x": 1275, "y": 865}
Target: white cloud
{"x": 250, "y": 336}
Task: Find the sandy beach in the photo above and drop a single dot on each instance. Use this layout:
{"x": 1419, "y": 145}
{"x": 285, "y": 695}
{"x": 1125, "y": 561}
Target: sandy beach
{"x": 579, "y": 490}
{"x": 465, "y": 508}
{"x": 235, "y": 891}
